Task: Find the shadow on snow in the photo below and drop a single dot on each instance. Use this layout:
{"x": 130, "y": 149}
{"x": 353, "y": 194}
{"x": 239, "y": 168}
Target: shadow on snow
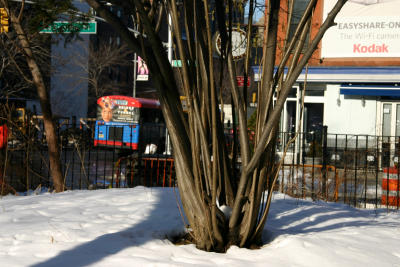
{"x": 286, "y": 217}
{"x": 296, "y": 217}
{"x": 109, "y": 244}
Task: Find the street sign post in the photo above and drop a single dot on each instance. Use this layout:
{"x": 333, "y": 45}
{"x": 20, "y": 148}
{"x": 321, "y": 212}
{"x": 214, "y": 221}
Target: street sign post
{"x": 68, "y": 27}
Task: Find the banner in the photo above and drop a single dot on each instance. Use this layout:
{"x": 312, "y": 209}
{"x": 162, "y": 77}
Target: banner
{"x": 142, "y": 70}
{"x": 110, "y": 109}
{"x": 364, "y": 28}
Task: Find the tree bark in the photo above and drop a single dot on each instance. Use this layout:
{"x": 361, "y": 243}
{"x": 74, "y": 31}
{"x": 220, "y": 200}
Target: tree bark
{"x": 49, "y": 127}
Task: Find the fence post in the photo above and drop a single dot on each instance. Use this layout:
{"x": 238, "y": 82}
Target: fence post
{"x": 398, "y": 175}
{"x": 324, "y": 160}
{"x": 312, "y": 171}
{"x": 355, "y": 174}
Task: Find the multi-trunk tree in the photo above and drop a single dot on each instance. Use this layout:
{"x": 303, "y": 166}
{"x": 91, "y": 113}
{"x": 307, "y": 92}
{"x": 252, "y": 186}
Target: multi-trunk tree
{"x": 210, "y": 179}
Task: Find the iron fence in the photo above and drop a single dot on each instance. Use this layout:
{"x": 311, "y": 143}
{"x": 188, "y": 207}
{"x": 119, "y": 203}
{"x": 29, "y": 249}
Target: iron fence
{"x": 24, "y": 164}
{"x": 361, "y": 170}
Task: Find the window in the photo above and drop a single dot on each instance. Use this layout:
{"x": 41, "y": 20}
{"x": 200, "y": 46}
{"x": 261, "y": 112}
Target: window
{"x": 315, "y": 89}
{"x": 298, "y": 9}
{"x": 292, "y": 93}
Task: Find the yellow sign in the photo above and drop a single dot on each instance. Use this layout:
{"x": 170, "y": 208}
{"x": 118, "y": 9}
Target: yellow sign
{"x": 185, "y": 103}
{"x": 3, "y": 20}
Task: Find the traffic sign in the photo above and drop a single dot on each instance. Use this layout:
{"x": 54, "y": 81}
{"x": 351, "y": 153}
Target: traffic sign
{"x": 68, "y": 27}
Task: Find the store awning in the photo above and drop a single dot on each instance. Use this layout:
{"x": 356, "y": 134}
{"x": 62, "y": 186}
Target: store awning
{"x": 347, "y": 75}
{"x": 370, "y": 90}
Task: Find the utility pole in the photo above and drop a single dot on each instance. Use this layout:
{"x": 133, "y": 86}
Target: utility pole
{"x": 134, "y": 74}
{"x": 134, "y": 63}
{"x": 167, "y": 140}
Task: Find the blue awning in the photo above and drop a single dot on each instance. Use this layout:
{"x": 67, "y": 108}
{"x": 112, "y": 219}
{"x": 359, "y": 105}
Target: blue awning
{"x": 343, "y": 74}
{"x": 370, "y": 90}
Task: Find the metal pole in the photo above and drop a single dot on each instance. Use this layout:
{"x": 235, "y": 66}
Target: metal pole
{"x": 167, "y": 140}
{"x": 134, "y": 63}
{"x": 134, "y": 74}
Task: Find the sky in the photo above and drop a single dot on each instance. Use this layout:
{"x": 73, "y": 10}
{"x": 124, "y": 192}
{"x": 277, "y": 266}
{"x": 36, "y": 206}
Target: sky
{"x": 258, "y": 11}
{"x": 128, "y": 227}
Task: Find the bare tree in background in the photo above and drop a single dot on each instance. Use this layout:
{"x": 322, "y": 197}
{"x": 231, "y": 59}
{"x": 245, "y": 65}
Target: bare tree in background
{"x": 208, "y": 177}
{"x": 97, "y": 66}
{"x": 93, "y": 64}
{"x": 35, "y": 77}
{"x": 102, "y": 59}
{"x": 13, "y": 67}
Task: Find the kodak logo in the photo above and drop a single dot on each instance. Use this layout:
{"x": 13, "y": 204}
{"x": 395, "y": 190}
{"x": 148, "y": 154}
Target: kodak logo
{"x": 374, "y": 48}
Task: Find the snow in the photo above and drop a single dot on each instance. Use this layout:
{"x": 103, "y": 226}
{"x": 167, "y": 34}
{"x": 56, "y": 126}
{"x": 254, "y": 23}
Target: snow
{"x": 128, "y": 227}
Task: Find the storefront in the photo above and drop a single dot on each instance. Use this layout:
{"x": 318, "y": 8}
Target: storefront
{"x": 348, "y": 100}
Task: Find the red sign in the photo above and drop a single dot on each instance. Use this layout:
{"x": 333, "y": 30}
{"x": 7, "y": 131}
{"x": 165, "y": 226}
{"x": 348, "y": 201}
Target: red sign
{"x": 3, "y": 136}
{"x": 240, "y": 81}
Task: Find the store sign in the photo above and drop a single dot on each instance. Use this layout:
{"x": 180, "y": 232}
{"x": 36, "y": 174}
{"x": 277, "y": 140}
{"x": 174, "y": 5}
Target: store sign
{"x": 240, "y": 81}
{"x": 364, "y": 28}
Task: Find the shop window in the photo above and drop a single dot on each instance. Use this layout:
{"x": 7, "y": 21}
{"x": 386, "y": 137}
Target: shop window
{"x": 292, "y": 93}
{"x": 314, "y": 89}
{"x": 313, "y": 120}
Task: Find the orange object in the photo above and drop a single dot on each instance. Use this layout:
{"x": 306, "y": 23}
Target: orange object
{"x": 390, "y": 187}
{"x": 393, "y": 184}
{"x": 390, "y": 200}
{"x": 3, "y": 136}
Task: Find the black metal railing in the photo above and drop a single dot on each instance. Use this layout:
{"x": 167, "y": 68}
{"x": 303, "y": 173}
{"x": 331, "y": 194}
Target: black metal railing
{"x": 24, "y": 164}
{"x": 360, "y": 170}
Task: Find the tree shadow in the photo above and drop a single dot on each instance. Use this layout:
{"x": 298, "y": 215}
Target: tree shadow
{"x": 286, "y": 217}
{"x": 109, "y": 244}
{"x": 297, "y": 217}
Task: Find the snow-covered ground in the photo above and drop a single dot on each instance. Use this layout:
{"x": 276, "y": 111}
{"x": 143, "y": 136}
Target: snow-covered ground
{"x": 128, "y": 227}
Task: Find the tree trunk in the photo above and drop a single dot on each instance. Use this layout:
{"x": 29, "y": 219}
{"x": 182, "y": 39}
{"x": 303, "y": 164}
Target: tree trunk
{"x": 203, "y": 166}
{"x": 49, "y": 127}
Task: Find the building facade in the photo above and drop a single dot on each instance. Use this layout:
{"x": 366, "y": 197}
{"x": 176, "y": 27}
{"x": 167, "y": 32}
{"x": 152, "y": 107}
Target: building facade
{"x": 352, "y": 84}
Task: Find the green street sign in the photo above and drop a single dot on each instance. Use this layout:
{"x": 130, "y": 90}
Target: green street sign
{"x": 176, "y": 63}
{"x": 68, "y": 27}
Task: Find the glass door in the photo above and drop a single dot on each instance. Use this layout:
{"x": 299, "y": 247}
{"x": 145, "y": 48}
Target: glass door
{"x": 288, "y": 126}
{"x": 288, "y": 121}
{"x": 390, "y": 132}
